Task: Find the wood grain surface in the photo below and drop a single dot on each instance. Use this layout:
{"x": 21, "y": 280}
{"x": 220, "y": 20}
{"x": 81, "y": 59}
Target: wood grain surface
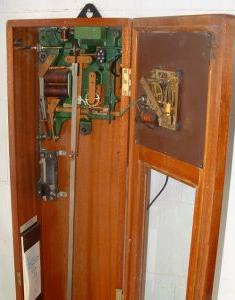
{"x": 110, "y": 253}
{"x": 100, "y": 183}
{"x": 209, "y": 180}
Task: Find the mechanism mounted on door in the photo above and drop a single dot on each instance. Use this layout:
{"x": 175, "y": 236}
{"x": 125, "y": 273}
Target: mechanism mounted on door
{"x": 162, "y": 98}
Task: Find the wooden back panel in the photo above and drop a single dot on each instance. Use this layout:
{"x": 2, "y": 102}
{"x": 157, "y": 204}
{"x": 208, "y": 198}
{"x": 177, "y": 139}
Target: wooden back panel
{"x": 24, "y": 127}
{"x": 100, "y": 184}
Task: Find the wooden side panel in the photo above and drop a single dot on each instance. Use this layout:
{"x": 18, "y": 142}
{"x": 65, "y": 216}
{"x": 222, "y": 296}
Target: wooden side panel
{"x": 211, "y": 186}
{"x": 25, "y": 126}
{"x": 22, "y": 91}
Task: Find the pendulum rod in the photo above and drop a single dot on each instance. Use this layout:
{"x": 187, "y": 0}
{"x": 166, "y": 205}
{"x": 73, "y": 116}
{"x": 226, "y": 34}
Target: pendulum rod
{"x": 73, "y": 155}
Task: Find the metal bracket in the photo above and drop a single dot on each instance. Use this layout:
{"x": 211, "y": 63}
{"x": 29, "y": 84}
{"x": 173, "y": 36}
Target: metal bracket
{"x": 48, "y": 183}
{"x": 19, "y": 279}
{"x": 89, "y": 11}
{"x": 62, "y": 194}
{"x": 61, "y": 153}
{"x": 119, "y": 294}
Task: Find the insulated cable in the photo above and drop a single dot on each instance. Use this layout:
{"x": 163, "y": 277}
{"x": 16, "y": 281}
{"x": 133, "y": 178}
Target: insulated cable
{"x": 158, "y": 194}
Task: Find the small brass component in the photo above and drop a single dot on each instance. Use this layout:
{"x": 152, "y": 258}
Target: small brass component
{"x": 19, "y": 278}
{"x": 119, "y": 294}
{"x": 86, "y": 59}
{"x": 51, "y": 107}
{"x": 43, "y": 67}
{"x": 91, "y": 99}
{"x": 126, "y": 82}
{"x": 153, "y": 98}
{"x": 162, "y": 90}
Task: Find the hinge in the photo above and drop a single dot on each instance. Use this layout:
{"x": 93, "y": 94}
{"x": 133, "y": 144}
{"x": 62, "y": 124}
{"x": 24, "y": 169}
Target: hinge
{"x": 18, "y": 279}
{"x": 119, "y": 294}
{"x": 126, "y": 82}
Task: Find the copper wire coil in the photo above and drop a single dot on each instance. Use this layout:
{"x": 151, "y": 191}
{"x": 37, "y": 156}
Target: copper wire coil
{"x": 64, "y": 34}
{"x": 56, "y": 77}
{"x": 62, "y": 68}
{"x": 56, "y": 84}
{"x": 55, "y": 91}
{"x": 148, "y": 117}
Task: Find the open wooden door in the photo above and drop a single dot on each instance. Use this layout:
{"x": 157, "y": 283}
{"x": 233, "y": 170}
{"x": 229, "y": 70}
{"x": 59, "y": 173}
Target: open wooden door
{"x": 182, "y": 66}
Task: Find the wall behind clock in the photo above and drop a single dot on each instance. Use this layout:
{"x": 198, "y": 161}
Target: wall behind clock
{"x": 25, "y": 9}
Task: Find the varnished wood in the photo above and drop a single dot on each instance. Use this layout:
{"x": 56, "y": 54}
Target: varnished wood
{"x": 72, "y": 22}
{"x": 101, "y": 208}
{"x": 23, "y": 129}
{"x": 12, "y": 150}
{"x": 168, "y": 165}
{"x": 100, "y": 188}
{"x": 209, "y": 179}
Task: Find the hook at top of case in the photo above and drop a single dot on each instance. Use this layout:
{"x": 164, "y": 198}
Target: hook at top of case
{"x": 89, "y": 11}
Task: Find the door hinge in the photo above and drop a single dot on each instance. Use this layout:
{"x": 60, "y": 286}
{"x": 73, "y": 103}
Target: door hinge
{"x": 126, "y": 82}
{"x": 19, "y": 278}
{"x": 119, "y": 294}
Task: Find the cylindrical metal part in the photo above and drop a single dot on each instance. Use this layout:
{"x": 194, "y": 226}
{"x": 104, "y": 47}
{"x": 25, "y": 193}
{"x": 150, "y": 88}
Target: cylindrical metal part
{"x": 55, "y": 91}
{"x": 64, "y": 34}
{"x": 56, "y": 77}
{"x": 149, "y": 117}
{"x": 59, "y": 68}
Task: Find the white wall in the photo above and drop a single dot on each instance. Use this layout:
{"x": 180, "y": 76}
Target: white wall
{"x": 13, "y": 9}
{"x": 169, "y": 238}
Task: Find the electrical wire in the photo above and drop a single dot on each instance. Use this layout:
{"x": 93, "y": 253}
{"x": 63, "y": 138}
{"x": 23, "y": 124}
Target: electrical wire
{"x": 134, "y": 103}
{"x": 113, "y": 64}
{"x": 159, "y": 193}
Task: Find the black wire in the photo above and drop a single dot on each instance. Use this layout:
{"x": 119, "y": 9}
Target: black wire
{"x": 158, "y": 194}
{"x": 113, "y": 63}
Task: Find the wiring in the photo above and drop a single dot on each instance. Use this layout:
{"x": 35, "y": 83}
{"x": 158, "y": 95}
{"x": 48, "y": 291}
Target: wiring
{"x": 134, "y": 103}
{"x": 113, "y": 64}
{"x": 158, "y": 194}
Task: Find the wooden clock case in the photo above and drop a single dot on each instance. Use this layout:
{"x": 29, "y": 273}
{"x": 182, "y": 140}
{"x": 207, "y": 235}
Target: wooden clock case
{"x": 114, "y": 161}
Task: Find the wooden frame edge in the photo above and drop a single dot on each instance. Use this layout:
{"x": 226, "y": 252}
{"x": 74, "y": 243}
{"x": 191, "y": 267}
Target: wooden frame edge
{"x": 163, "y": 163}
{"x": 15, "y": 218}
